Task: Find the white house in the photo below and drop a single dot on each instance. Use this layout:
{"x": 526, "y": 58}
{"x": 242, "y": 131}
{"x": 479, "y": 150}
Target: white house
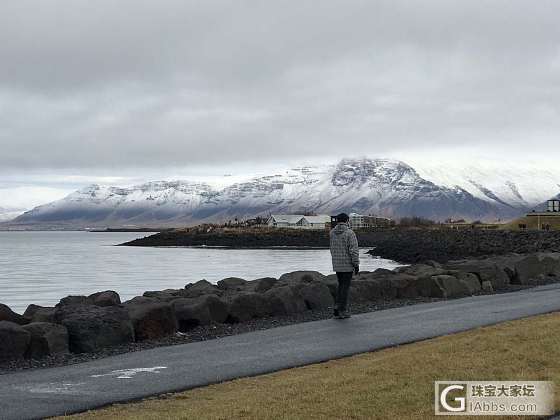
{"x": 316, "y": 222}
{"x": 284, "y": 220}
{"x": 298, "y": 221}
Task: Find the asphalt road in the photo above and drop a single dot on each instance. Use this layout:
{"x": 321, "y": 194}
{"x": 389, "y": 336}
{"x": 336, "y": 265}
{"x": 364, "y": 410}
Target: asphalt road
{"x": 68, "y": 389}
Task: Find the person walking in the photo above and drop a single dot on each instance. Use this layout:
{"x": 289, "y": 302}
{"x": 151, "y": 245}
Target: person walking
{"x": 345, "y": 260}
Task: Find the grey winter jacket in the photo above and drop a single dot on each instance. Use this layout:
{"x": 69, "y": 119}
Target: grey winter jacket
{"x": 344, "y": 249}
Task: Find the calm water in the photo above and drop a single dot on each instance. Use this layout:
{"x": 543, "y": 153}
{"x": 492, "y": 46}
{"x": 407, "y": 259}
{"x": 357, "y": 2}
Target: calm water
{"x": 42, "y": 267}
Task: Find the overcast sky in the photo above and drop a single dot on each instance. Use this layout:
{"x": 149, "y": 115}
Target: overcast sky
{"x": 119, "y": 91}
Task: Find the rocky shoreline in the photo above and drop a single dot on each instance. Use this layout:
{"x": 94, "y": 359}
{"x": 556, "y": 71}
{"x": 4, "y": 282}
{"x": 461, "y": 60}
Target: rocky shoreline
{"x": 417, "y": 245}
{"x": 235, "y": 238}
{"x": 81, "y": 328}
{"x": 406, "y": 245}
{"x": 201, "y": 333}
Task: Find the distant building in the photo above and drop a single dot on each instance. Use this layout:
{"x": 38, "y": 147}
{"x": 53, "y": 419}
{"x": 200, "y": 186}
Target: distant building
{"x": 315, "y": 222}
{"x": 284, "y": 220}
{"x": 544, "y": 220}
{"x": 360, "y": 221}
{"x": 357, "y": 221}
{"x": 298, "y": 221}
{"x": 462, "y": 224}
{"x": 553, "y": 206}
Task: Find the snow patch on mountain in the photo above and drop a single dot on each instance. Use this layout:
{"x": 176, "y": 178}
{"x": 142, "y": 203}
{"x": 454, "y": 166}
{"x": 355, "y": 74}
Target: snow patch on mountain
{"x": 7, "y": 214}
{"x": 384, "y": 187}
{"x": 518, "y": 183}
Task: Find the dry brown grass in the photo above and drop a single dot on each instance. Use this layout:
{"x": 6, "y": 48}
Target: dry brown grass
{"x": 395, "y": 383}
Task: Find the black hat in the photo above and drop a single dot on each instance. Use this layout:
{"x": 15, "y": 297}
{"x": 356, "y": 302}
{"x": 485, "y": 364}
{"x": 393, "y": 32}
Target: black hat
{"x": 342, "y": 218}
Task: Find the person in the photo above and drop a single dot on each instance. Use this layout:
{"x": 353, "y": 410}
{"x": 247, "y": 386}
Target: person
{"x": 345, "y": 260}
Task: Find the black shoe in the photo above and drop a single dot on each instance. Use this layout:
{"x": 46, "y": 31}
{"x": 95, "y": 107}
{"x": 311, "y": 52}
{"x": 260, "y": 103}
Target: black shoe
{"x": 344, "y": 315}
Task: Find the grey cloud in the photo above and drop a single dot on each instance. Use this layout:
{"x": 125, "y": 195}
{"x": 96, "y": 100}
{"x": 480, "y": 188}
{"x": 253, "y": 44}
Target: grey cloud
{"x": 134, "y": 84}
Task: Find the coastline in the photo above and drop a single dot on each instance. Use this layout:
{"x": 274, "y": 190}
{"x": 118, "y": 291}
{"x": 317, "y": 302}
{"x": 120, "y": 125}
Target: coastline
{"x": 404, "y": 245}
{"x": 203, "y": 311}
{"x": 279, "y": 247}
{"x": 215, "y": 331}
{"x": 202, "y": 333}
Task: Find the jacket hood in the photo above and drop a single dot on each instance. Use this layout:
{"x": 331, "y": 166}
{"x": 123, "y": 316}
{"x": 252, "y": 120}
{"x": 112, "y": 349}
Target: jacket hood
{"x": 340, "y": 228}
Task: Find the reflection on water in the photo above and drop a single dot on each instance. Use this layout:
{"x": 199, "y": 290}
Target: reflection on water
{"x": 42, "y": 267}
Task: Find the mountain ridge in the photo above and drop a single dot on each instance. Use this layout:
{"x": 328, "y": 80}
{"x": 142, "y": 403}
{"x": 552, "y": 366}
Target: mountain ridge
{"x": 385, "y": 187}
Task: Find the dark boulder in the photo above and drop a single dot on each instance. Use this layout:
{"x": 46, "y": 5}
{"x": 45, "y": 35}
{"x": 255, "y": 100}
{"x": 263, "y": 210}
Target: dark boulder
{"x": 73, "y": 300}
{"x": 204, "y": 310}
{"x": 380, "y": 272}
{"x": 36, "y": 313}
{"x": 190, "y": 313}
{"x": 316, "y": 295}
{"x": 417, "y": 280}
{"x": 15, "y": 341}
{"x": 470, "y": 280}
{"x": 421, "y": 270}
{"x": 283, "y": 301}
{"x": 433, "y": 263}
{"x": 534, "y": 269}
{"x": 232, "y": 284}
{"x": 46, "y": 339}
{"x": 219, "y": 309}
{"x": 246, "y": 306}
{"x": 301, "y": 277}
{"x": 379, "y": 284}
{"x": 440, "y": 286}
{"x": 261, "y": 285}
{"x": 166, "y": 295}
{"x": 91, "y": 327}
{"x": 136, "y": 300}
{"x": 406, "y": 285}
{"x": 506, "y": 263}
{"x": 426, "y": 287}
{"x": 367, "y": 290}
{"x": 6, "y": 314}
{"x": 151, "y": 319}
{"x": 485, "y": 270}
{"x": 527, "y": 270}
{"x": 551, "y": 264}
{"x": 106, "y": 298}
{"x": 311, "y": 286}
{"x": 201, "y": 287}
{"x": 447, "y": 286}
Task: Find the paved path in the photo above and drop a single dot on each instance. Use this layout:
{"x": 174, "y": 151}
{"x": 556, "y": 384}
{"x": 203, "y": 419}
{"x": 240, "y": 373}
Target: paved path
{"x": 56, "y": 391}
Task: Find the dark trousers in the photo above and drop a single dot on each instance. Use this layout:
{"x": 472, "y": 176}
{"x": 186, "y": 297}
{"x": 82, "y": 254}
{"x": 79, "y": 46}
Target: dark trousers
{"x": 344, "y": 280}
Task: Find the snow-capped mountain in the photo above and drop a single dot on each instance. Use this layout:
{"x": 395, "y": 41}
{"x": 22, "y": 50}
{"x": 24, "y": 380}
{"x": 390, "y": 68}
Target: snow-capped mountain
{"x": 370, "y": 186}
{"x": 9, "y": 214}
{"x": 516, "y": 183}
